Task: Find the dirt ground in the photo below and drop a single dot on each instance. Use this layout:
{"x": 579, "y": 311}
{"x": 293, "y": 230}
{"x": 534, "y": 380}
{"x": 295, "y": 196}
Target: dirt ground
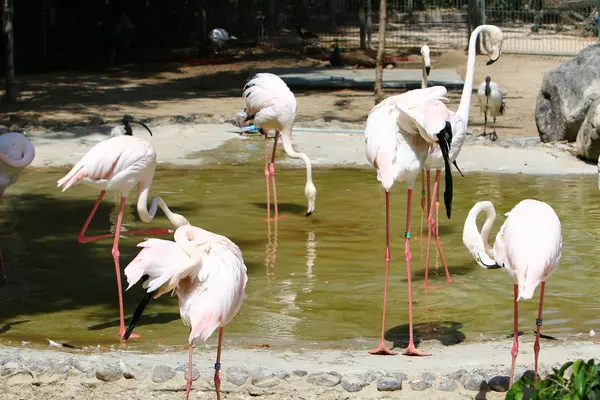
{"x": 212, "y": 93}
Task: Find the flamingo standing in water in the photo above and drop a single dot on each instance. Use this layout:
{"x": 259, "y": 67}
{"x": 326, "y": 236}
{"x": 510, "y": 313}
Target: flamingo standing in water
{"x": 118, "y": 164}
{"x": 208, "y": 274}
{"x": 272, "y": 106}
{"x": 528, "y": 246}
{"x": 16, "y": 153}
{"x": 459, "y": 120}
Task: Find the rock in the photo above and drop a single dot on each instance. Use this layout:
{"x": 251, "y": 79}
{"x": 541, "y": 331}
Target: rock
{"x": 237, "y": 375}
{"x": 566, "y": 93}
{"x": 60, "y": 367}
{"x": 388, "y": 383}
{"x": 3, "y": 129}
{"x": 9, "y": 368}
{"x": 21, "y": 377}
{"x": 15, "y": 128}
{"x": 474, "y": 382}
{"x": 499, "y": 383}
{"x": 184, "y": 370}
{"x": 458, "y": 375}
{"x": 96, "y": 121}
{"x": 35, "y": 366}
{"x": 82, "y": 366}
{"x": 428, "y": 377}
{"x": 447, "y": 386}
{"x": 420, "y": 385}
{"x": 266, "y": 382}
{"x": 299, "y": 372}
{"x": 355, "y": 382}
{"x": 109, "y": 373}
{"x": 529, "y": 373}
{"x": 327, "y": 379}
{"x": 588, "y": 136}
{"x": 162, "y": 373}
{"x": 281, "y": 374}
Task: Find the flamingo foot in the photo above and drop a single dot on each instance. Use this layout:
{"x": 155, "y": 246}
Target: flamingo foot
{"x": 132, "y": 336}
{"x": 411, "y": 350}
{"x": 597, "y": 342}
{"x": 382, "y": 350}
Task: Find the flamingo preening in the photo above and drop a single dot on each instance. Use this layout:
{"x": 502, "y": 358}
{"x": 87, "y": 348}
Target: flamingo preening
{"x": 118, "y": 164}
{"x": 491, "y": 99}
{"x": 272, "y": 106}
{"x": 399, "y": 135}
{"x": 459, "y": 121}
{"x": 16, "y": 153}
{"x": 528, "y": 246}
{"x": 208, "y": 274}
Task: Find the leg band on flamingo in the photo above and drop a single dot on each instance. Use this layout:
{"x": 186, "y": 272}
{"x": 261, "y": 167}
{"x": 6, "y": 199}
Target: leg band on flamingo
{"x": 217, "y": 366}
{"x": 538, "y": 322}
{"x": 407, "y": 235}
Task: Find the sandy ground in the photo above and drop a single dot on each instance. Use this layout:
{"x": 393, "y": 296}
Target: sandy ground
{"x": 493, "y": 358}
{"x": 212, "y": 93}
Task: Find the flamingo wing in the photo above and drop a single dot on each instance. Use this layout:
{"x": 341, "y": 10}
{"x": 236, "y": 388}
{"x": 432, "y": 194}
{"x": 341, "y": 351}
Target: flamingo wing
{"x": 268, "y": 98}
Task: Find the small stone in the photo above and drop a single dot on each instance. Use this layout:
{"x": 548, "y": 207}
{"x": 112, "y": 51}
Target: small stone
{"x": 299, "y": 372}
{"x": 109, "y": 373}
{"x": 60, "y": 368}
{"x": 9, "y": 368}
{"x": 281, "y": 374}
{"x": 256, "y": 391}
{"x": 162, "y": 373}
{"x": 96, "y": 121}
{"x": 458, "y": 375}
{"x": 447, "y": 386}
{"x": 529, "y": 373}
{"x": 82, "y": 366}
{"x": 35, "y": 366}
{"x": 237, "y": 375}
{"x": 184, "y": 369}
{"x": 266, "y": 382}
{"x": 420, "y": 385}
{"x": 499, "y": 383}
{"x": 327, "y": 379}
{"x": 15, "y": 128}
{"x": 356, "y": 382}
{"x": 474, "y": 382}
{"x": 21, "y": 377}
{"x": 388, "y": 383}
{"x": 428, "y": 377}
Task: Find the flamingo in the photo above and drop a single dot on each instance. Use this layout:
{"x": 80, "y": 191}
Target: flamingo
{"x": 207, "y": 273}
{"x": 398, "y": 136}
{"x": 118, "y": 164}
{"x": 272, "y": 106}
{"x": 426, "y": 70}
{"x": 459, "y": 121}
{"x": 16, "y": 153}
{"x": 491, "y": 98}
{"x": 528, "y": 246}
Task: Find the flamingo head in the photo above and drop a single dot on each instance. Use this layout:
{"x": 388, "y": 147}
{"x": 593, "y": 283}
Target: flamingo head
{"x": 311, "y": 195}
{"x": 426, "y": 58}
{"x": 496, "y": 38}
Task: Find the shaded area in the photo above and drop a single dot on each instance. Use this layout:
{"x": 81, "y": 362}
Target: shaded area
{"x": 447, "y": 333}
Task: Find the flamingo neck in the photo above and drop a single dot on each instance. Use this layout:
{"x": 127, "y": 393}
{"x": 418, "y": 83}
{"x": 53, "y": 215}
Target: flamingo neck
{"x": 424, "y": 80}
{"x": 490, "y": 217}
{"x": 28, "y": 154}
{"x": 465, "y": 99}
{"x": 286, "y": 139}
{"x": 146, "y": 215}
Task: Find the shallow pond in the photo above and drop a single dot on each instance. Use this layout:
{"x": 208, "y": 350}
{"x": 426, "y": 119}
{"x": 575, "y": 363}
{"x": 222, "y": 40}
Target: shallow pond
{"x": 312, "y": 281}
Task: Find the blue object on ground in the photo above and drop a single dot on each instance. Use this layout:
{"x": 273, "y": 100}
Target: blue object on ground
{"x": 249, "y": 128}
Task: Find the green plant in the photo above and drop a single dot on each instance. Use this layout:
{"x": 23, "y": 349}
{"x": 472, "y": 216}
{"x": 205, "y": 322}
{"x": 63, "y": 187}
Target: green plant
{"x": 582, "y": 384}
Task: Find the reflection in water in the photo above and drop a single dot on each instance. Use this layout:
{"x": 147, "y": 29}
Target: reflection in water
{"x": 311, "y": 256}
{"x": 271, "y": 251}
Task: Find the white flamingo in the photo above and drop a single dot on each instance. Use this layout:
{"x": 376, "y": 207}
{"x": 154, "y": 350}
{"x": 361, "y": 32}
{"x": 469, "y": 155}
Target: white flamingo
{"x": 528, "y": 246}
{"x": 398, "y": 136}
{"x": 207, "y": 272}
{"x": 272, "y": 106}
{"x": 16, "y": 153}
{"x": 459, "y": 121}
{"x": 491, "y": 98}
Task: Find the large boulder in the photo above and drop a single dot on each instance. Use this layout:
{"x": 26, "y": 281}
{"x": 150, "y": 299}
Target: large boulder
{"x": 588, "y": 138}
{"x": 566, "y": 95}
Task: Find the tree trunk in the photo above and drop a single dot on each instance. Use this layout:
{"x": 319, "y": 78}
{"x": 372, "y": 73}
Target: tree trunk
{"x": 473, "y": 21}
{"x": 380, "y": 52}
{"x": 7, "y": 27}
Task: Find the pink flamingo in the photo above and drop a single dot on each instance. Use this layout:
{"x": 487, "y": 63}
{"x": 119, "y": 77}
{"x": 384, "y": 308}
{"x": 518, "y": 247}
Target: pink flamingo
{"x": 528, "y": 246}
{"x": 119, "y": 164}
{"x": 208, "y": 274}
{"x": 16, "y": 153}
{"x": 272, "y": 106}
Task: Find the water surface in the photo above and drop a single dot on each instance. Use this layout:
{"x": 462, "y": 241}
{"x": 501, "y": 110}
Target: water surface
{"x": 312, "y": 281}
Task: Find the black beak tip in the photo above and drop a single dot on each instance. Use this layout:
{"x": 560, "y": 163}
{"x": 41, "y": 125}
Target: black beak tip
{"x": 427, "y": 70}
{"x": 491, "y": 61}
{"x": 308, "y": 214}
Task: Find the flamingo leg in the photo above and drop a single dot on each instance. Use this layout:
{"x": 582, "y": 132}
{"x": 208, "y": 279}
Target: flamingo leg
{"x": 267, "y": 173}
{"x": 382, "y": 348}
{"x": 218, "y": 365}
{"x": 422, "y": 202}
{"x": 433, "y": 229}
{"x": 493, "y": 135}
{"x": 272, "y": 173}
{"x": 515, "y": 347}
{"x": 411, "y": 350}
{"x": 2, "y": 269}
{"x": 116, "y": 254}
{"x": 485, "y": 121}
{"x": 188, "y": 385}
{"x": 81, "y": 238}
{"x": 538, "y": 323}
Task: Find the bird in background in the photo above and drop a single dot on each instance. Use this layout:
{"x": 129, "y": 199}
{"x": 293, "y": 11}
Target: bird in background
{"x": 218, "y": 38}
{"x": 271, "y": 106}
{"x": 118, "y": 164}
{"x": 16, "y": 153}
{"x": 305, "y": 34}
{"x": 208, "y": 274}
{"x": 528, "y": 246}
{"x": 458, "y": 121}
{"x": 491, "y": 99}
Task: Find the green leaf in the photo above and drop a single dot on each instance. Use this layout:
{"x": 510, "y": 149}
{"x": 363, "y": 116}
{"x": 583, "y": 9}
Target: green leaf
{"x": 562, "y": 369}
{"x": 576, "y": 367}
{"x": 579, "y": 383}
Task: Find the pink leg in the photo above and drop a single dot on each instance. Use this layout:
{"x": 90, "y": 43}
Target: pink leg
{"x": 86, "y": 239}
{"x": 2, "y": 269}
{"x": 538, "y": 323}
{"x": 218, "y": 365}
{"x": 267, "y": 173}
{"x": 422, "y": 202}
{"x": 515, "y": 347}
{"x": 188, "y": 386}
{"x": 116, "y": 254}
{"x": 272, "y": 172}
{"x": 382, "y": 348}
{"x": 433, "y": 229}
{"x": 411, "y": 350}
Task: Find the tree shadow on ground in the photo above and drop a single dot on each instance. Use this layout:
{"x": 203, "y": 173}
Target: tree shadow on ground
{"x": 446, "y": 332}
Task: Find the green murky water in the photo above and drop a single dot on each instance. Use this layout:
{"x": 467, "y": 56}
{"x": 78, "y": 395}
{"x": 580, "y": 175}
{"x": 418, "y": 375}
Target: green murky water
{"x": 312, "y": 281}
